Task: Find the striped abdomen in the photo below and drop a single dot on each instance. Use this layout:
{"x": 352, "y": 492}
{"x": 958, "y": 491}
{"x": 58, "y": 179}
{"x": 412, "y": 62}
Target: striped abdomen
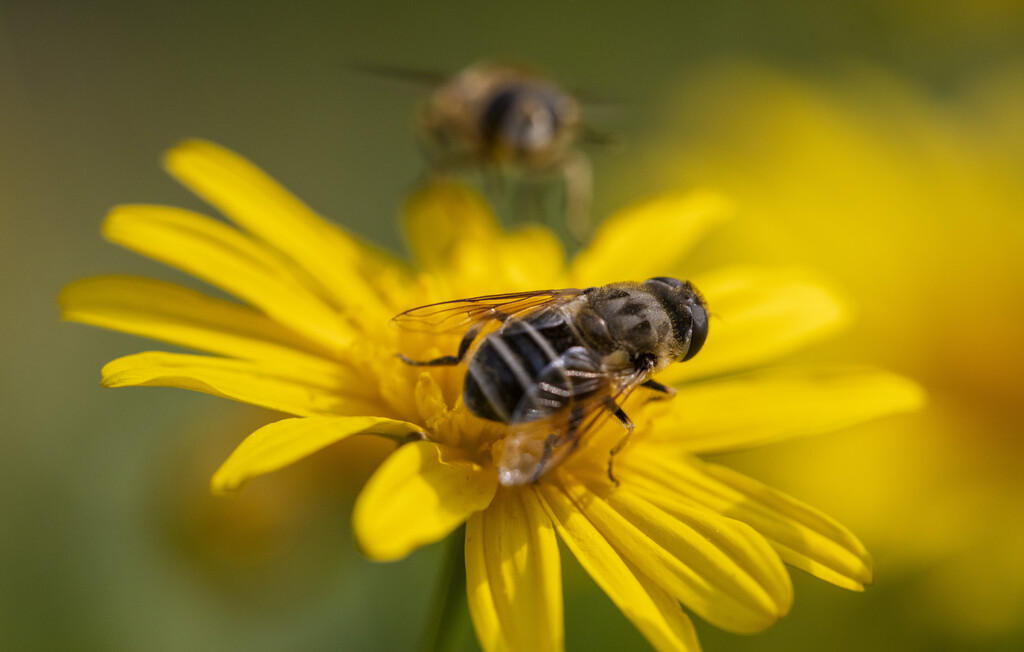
{"x": 509, "y": 362}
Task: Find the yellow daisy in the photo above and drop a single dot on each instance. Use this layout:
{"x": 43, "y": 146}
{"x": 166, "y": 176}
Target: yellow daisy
{"x": 315, "y": 341}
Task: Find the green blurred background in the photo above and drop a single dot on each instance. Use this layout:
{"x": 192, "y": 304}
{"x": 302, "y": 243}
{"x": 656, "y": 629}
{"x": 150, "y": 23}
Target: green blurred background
{"x": 881, "y": 142}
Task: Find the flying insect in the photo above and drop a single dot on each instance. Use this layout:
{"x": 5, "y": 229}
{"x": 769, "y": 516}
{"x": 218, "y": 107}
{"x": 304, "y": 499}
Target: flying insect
{"x": 504, "y": 118}
{"x": 514, "y": 124}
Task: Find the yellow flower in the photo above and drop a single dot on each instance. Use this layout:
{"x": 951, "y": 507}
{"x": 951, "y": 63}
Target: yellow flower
{"x": 315, "y": 342}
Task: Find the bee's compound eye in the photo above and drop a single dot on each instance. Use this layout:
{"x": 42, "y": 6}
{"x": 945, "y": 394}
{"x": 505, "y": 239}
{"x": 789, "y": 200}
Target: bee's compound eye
{"x": 698, "y": 329}
{"x": 667, "y": 280}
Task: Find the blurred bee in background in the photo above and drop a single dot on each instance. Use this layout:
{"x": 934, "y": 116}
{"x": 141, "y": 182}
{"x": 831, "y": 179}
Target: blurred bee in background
{"x": 560, "y": 361}
{"x": 514, "y": 124}
{"x": 507, "y": 118}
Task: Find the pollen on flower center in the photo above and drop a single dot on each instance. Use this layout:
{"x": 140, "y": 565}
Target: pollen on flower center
{"x": 438, "y": 400}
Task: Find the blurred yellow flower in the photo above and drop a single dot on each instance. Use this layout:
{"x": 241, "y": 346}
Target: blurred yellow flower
{"x": 913, "y": 200}
{"x": 314, "y": 342}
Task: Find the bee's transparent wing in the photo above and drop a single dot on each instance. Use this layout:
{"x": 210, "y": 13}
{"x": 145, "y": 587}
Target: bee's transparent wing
{"x": 462, "y": 314}
{"x": 573, "y": 396}
{"x": 417, "y": 76}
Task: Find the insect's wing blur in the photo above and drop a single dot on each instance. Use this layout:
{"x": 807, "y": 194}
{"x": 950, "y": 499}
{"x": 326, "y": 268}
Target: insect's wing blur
{"x": 417, "y": 76}
{"x": 550, "y": 420}
{"x": 463, "y": 314}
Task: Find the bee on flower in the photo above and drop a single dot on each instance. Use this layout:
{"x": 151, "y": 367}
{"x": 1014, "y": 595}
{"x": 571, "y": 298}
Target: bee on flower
{"x": 563, "y": 359}
{"x": 311, "y": 339}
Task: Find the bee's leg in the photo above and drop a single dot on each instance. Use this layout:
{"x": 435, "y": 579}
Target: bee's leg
{"x": 527, "y": 201}
{"x": 658, "y": 387}
{"x": 555, "y": 440}
{"x": 579, "y": 190}
{"x": 627, "y": 423}
{"x": 448, "y": 360}
{"x": 495, "y": 183}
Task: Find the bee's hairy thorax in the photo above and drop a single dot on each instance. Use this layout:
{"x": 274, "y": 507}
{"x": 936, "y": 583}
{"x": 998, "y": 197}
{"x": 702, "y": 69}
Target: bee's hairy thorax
{"x": 614, "y": 329}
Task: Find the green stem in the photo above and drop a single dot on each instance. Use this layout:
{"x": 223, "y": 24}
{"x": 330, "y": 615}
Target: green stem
{"x": 444, "y": 629}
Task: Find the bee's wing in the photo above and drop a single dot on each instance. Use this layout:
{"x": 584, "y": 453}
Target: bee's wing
{"x": 417, "y": 76}
{"x": 463, "y": 314}
{"x": 572, "y": 397}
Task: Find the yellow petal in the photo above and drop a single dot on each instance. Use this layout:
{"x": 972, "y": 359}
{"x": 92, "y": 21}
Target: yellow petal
{"x": 757, "y": 315}
{"x": 514, "y": 576}
{"x": 441, "y": 218}
{"x": 287, "y": 441}
{"x": 764, "y": 407}
{"x": 719, "y": 568}
{"x": 298, "y": 391}
{"x": 652, "y": 610}
{"x": 226, "y": 258}
{"x": 803, "y": 536}
{"x": 649, "y": 239}
{"x": 175, "y": 314}
{"x": 338, "y": 266}
{"x": 419, "y": 494}
{"x": 531, "y": 258}
{"x": 454, "y": 235}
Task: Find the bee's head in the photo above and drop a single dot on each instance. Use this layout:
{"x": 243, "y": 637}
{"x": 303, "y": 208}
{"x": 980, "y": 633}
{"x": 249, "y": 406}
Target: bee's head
{"x": 524, "y": 117}
{"x": 686, "y": 309}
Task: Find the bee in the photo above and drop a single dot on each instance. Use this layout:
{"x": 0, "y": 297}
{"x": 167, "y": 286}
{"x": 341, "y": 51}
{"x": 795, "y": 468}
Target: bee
{"x": 514, "y": 124}
{"x": 552, "y": 364}
{"x": 502, "y": 117}
{"x": 503, "y": 114}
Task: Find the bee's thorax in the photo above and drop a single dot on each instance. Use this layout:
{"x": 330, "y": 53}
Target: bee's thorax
{"x": 626, "y": 318}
